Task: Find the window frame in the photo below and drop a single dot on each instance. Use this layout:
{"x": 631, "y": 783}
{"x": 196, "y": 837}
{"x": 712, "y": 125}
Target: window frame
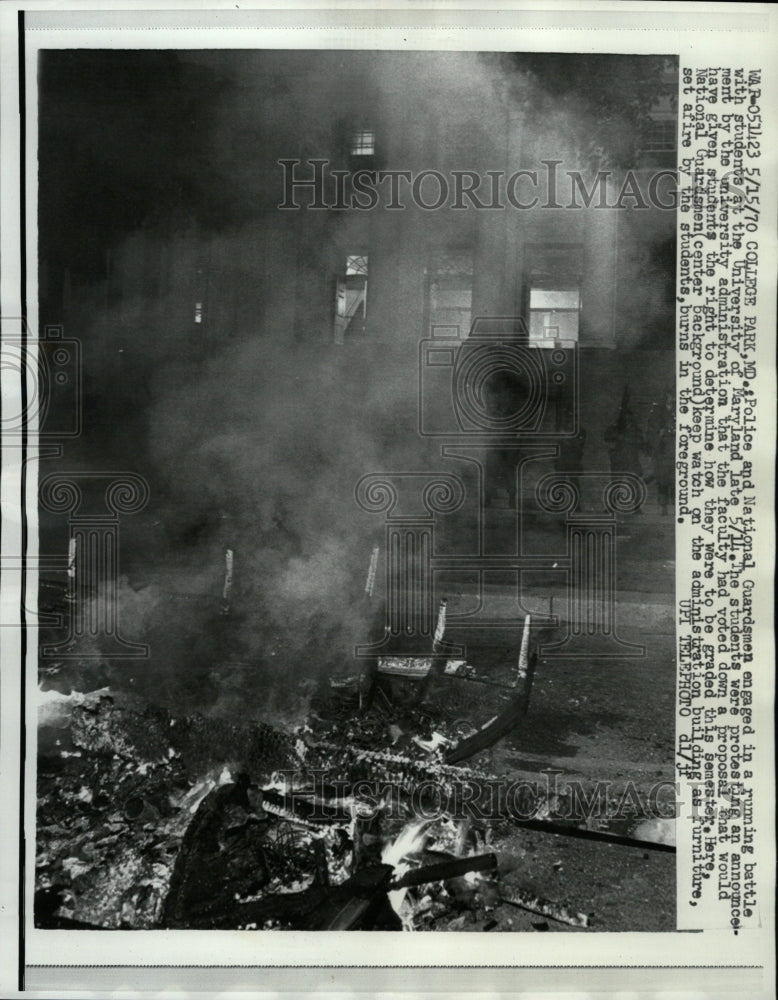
{"x": 358, "y": 146}
{"x": 433, "y": 275}
{"x": 341, "y": 323}
{"x": 554, "y": 279}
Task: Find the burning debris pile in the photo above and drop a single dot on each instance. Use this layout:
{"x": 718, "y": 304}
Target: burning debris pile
{"x": 130, "y": 837}
{"x": 117, "y": 790}
{"x": 381, "y": 810}
{"x": 364, "y": 817}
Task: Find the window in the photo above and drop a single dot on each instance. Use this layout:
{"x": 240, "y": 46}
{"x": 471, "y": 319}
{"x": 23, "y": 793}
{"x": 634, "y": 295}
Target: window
{"x": 554, "y": 315}
{"x": 659, "y": 136}
{"x": 356, "y": 264}
{"x": 351, "y": 298}
{"x": 362, "y": 142}
{"x": 554, "y": 296}
{"x": 201, "y": 289}
{"x": 450, "y": 293}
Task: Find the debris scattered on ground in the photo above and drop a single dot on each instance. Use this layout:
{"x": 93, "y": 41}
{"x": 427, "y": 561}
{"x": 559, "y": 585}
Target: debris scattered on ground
{"x": 351, "y": 819}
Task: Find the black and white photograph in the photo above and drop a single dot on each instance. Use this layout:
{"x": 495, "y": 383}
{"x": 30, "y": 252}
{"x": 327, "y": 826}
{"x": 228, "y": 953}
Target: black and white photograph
{"x": 387, "y": 494}
{"x": 356, "y": 491}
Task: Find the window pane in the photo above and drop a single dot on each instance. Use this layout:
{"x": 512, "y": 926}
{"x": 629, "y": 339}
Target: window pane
{"x": 659, "y": 136}
{"x": 544, "y": 298}
{"x": 354, "y": 302}
{"x": 363, "y": 143}
{"x": 356, "y": 264}
{"x": 547, "y": 328}
{"x": 351, "y": 298}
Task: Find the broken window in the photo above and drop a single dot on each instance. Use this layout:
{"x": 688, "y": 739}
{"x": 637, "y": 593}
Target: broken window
{"x": 362, "y": 142}
{"x": 450, "y": 293}
{"x": 351, "y": 298}
{"x": 554, "y": 296}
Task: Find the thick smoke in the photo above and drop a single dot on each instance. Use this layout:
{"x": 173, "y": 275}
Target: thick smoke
{"x": 257, "y": 444}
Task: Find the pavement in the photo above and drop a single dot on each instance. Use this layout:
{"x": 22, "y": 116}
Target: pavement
{"x": 645, "y": 574}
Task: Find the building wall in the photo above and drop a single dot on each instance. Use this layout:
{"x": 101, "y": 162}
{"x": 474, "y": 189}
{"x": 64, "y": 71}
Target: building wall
{"x": 276, "y": 275}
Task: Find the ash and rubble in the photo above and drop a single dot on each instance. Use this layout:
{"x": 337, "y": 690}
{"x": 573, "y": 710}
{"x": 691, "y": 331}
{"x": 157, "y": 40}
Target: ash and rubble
{"x": 346, "y": 820}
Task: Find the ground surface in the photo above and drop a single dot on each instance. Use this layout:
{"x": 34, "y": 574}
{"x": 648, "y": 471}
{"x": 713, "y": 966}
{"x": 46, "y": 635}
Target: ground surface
{"x": 105, "y": 811}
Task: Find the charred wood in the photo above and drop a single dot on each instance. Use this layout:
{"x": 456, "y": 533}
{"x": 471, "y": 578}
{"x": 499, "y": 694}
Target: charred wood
{"x": 487, "y": 736}
{"x": 445, "y": 870}
{"x": 546, "y": 908}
